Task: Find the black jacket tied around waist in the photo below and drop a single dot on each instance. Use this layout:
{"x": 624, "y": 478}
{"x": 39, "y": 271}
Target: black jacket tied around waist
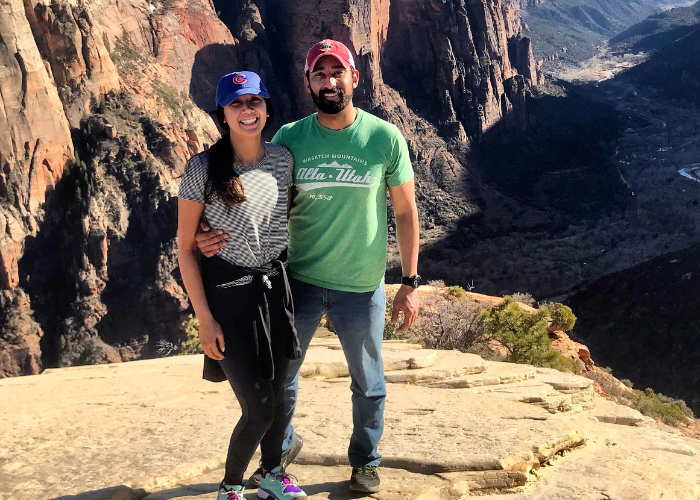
{"x": 261, "y": 299}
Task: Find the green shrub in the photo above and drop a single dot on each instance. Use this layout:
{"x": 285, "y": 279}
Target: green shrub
{"x": 457, "y": 292}
{"x": 191, "y": 344}
{"x": 83, "y": 177}
{"x": 11, "y": 197}
{"x": 101, "y": 105}
{"x": 127, "y": 59}
{"x": 648, "y": 403}
{"x": 562, "y": 317}
{"x": 556, "y": 360}
{"x": 176, "y": 103}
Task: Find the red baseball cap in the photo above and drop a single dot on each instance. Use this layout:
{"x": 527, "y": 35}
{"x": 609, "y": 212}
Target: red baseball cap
{"x": 329, "y": 48}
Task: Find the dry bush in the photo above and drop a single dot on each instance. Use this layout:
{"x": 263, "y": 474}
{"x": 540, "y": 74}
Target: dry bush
{"x": 450, "y": 321}
{"x": 389, "y": 327}
{"x": 524, "y": 298}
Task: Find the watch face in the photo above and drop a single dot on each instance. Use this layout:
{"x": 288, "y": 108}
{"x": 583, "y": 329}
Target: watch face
{"x": 413, "y": 281}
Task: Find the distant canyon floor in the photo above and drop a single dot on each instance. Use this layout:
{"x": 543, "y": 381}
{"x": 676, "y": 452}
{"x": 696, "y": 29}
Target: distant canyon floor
{"x": 526, "y": 246}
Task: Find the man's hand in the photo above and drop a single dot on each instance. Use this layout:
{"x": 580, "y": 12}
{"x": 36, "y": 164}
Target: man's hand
{"x": 406, "y": 300}
{"x": 212, "y": 339}
{"x": 210, "y": 242}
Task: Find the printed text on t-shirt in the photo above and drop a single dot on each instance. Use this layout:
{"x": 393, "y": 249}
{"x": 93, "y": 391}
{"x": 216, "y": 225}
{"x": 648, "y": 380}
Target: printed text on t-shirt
{"x": 333, "y": 175}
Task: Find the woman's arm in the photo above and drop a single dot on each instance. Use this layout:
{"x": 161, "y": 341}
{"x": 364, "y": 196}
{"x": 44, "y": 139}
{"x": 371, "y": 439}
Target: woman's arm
{"x": 210, "y": 335}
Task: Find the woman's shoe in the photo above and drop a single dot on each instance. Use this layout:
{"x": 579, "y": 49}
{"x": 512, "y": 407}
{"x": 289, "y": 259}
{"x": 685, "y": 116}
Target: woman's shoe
{"x": 287, "y": 458}
{"x": 230, "y": 492}
{"x": 278, "y": 485}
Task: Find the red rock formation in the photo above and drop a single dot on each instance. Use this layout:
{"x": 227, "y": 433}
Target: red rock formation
{"x": 181, "y": 35}
{"x": 576, "y": 352}
{"x": 69, "y": 38}
{"x": 63, "y": 48}
{"x": 520, "y": 51}
{"x": 35, "y": 142}
{"x": 19, "y": 342}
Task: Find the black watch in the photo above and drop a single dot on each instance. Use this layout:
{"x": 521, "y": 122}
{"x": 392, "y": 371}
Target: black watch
{"x": 413, "y": 281}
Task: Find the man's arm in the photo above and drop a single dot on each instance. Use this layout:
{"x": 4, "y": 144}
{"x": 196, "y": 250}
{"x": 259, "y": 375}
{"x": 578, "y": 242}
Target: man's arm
{"x": 403, "y": 198}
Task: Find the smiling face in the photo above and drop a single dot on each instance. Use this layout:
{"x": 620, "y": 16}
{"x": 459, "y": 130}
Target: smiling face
{"x": 331, "y": 85}
{"x": 246, "y": 115}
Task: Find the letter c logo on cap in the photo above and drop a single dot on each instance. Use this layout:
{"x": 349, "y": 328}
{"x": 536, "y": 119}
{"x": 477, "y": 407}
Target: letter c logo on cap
{"x": 239, "y": 78}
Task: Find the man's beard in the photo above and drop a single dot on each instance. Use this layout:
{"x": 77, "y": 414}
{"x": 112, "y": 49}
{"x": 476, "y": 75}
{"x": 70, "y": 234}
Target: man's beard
{"x": 331, "y": 107}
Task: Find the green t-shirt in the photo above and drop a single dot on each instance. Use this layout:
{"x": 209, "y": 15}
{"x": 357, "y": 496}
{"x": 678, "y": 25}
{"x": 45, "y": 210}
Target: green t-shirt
{"x": 338, "y": 224}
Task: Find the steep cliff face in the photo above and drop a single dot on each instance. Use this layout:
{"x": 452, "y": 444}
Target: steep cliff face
{"x": 112, "y": 104}
{"x": 454, "y": 57}
{"x": 35, "y": 142}
{"x": 62, "y": 63}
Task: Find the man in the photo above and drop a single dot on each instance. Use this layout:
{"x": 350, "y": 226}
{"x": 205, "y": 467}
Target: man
{"x": 345, "y": 159}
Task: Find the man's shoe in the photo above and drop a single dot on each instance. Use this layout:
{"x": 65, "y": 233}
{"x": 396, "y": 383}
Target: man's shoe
{"x": 291, "y": 454}
{"x": 277, "y": 485}
{"x": 287, "y": 458}
{"x": 364, "y": 479}
{"x": 228, "y": 492}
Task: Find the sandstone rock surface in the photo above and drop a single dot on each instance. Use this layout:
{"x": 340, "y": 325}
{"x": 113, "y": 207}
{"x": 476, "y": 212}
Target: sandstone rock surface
{"x": 129, "y": 430}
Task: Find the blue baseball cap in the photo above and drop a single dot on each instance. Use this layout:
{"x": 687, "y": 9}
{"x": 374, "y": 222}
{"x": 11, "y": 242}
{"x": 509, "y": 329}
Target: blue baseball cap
{"x": 236, "y": 84}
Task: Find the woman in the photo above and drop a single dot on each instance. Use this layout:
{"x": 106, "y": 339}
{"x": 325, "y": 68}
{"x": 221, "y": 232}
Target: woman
{"x": 241, "y": 296}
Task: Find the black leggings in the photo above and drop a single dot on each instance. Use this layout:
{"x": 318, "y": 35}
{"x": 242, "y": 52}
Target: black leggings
{"x": 261, "y": 400}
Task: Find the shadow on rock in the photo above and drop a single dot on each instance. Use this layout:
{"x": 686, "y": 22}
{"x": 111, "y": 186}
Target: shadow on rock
{"x": 337, "y": 490}
{"x": 210, "y": 64}
{"x": 112, "y": 493}
{"x": 563, "y": 161}
{"x": 542, "y": 186}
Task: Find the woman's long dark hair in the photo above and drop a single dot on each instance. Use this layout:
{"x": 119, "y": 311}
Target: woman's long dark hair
{"x": 222, "y": 179}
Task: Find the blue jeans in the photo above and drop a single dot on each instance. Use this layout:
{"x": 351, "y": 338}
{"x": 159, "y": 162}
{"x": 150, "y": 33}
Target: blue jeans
{"x": 358, "y": 321}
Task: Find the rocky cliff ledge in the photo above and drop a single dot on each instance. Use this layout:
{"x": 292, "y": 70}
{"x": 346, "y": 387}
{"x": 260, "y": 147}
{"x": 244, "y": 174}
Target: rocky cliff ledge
{"x": 103, "y": 102}
{"x": 455, "y": 426}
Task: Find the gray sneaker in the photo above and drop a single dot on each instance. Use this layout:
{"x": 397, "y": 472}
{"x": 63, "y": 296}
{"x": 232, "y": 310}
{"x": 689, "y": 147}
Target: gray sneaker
{"x": 287, "y": 458}
{"x": 364, "y": 479}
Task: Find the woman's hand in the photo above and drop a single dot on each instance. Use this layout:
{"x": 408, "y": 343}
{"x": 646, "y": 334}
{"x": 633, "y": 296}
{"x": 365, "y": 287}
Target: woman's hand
{"x": 212, "y": 339}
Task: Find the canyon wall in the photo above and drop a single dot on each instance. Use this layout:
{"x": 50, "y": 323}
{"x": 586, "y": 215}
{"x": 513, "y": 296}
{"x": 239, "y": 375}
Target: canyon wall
{"x": 104, "y": 102}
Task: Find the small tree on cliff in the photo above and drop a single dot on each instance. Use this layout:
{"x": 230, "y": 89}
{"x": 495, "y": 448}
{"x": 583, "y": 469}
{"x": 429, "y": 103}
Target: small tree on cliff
{"x": 524, "y": 335}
